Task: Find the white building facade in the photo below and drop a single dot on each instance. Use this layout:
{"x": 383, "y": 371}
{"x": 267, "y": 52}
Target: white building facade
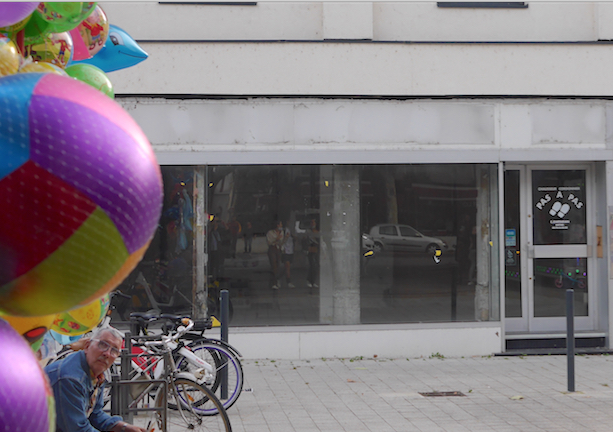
{"x": 387, "y": 127}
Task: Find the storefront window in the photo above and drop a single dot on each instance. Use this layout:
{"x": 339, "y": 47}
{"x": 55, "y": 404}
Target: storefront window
{"x": 325, "y": 244}
{"x": 412, "y": 211}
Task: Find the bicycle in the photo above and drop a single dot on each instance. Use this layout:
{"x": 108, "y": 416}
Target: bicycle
{"x": 197, "y": 356}
{"x": 191, "y": 402}
{"x": 205, "y": 361}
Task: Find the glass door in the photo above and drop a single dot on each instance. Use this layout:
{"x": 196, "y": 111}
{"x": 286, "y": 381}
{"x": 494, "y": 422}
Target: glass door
{"x": 546, "y": 248}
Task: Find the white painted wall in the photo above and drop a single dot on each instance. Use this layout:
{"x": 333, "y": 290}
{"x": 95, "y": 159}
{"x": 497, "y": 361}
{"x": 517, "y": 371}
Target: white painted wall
{"x": 542, "y": 21}
{"x": 369, "y": 69}
{"x": 298, "y": 130}
{"x": 401, "y": 341}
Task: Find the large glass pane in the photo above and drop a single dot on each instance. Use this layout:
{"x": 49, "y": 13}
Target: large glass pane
{"x": 163, "y": 280}
{"x": 324, "y": 244}
{"x": 264, "y": 242}
{"x": 559, "y": 207}
{"x": 552, "y": 277}
{"x": 512, "y": 264}
{"x": 411, "y": 211}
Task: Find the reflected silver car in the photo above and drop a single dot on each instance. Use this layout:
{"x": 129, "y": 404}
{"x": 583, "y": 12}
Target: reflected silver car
{"x": 404, "y": 238}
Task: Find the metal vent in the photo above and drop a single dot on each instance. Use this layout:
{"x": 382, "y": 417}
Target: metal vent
{"x": 439, "y": 394}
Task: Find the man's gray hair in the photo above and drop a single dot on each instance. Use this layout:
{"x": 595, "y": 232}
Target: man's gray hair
{"x": 112, "y": 330}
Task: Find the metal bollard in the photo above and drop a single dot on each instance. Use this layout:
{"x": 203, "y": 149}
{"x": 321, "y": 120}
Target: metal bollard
{"x": 225, "y": 318}
{"x": 570, "y": 338}
{"x": 126, "y": 365}
{"x": 115, "y": 405}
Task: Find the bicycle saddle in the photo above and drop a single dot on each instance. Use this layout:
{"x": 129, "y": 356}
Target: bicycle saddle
{"x": 142, "y": 316}
{"x": 172, "y": 317}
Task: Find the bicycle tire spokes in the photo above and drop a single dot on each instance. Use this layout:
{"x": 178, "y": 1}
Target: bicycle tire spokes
{"x": 222, "y": 360}
{"x": 189, "y": 399}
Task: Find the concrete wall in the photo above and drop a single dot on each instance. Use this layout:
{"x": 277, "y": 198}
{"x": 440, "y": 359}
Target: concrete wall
{"x": 381, "y": 21}
{"x": 396, "y": 48}
{"x": 294, "y": 130}
{"x": 386, "y": 341}
{"x": 369, "y": 69}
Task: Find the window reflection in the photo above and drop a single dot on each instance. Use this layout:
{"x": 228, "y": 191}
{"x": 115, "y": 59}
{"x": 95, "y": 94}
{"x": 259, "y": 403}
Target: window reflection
{"x": 412, "y": 211}
{"x": 323, "y": 244}
{"x": 552, "y": 277}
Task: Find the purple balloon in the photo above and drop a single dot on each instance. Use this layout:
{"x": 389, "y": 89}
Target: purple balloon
{"x": 25, "y": 395}
{"x": 13, "y": 12}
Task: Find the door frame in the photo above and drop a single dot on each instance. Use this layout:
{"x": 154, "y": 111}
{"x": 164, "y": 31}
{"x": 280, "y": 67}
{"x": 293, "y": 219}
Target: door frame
{"x": 528, "y": 252}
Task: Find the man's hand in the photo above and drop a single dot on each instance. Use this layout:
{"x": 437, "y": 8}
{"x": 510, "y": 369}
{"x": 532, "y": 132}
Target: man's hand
{"x": 132, "y": 428}
{"x": 126, "y": 427}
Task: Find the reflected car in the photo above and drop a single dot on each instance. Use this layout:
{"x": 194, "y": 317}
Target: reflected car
{"x": 404, "y": 238}
{"x": 367, "y": 242}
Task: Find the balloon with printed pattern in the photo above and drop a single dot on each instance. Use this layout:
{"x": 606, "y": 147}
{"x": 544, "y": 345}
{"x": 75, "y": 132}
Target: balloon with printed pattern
{"x": 80, "y": 193}
{"x": 26, "y": 399}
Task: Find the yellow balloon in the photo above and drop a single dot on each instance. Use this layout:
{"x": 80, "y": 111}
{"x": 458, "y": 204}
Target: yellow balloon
{"x": 43, "y": 67}
{"x": 14, "y": 28}
{"x": 81, "y": 320}
{"x": 9, "y": 57}
{"x": 33, "y": 329}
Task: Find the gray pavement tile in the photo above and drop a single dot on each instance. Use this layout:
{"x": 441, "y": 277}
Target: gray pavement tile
{"x": 382, "y": 395}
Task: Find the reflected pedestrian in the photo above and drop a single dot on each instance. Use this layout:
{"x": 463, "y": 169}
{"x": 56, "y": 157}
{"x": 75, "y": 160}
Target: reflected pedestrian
{"x": 248, "y": 236}
{"x": 287, "y": 256}
{"x": 275, "y": 239}
{"x": 313, "y": 254}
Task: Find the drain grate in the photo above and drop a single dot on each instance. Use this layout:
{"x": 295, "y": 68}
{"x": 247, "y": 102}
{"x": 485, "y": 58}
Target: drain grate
{"x": 439, "y": 393}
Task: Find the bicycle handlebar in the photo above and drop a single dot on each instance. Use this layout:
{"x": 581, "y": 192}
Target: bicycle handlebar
{"x": 120, "y": 294}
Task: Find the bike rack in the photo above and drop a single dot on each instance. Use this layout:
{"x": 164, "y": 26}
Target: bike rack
{"x": 120, "y": 394}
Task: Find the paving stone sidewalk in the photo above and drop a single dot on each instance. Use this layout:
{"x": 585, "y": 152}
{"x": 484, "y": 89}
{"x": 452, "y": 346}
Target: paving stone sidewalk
{"x": 502, "y": 394}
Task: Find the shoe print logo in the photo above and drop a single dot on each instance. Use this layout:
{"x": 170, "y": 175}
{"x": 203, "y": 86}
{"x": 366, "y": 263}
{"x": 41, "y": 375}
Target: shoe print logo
{"x": 559, "y": 209}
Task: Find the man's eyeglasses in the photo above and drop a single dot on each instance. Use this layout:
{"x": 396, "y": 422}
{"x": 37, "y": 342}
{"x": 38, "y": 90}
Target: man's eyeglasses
{"x": 104, "y": 347}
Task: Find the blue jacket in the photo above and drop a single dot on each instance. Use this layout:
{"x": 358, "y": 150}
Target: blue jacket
{"x": 73, "y": 388}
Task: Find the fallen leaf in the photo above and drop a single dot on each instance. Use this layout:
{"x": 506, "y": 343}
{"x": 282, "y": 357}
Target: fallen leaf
{"x": 518, "y": 397}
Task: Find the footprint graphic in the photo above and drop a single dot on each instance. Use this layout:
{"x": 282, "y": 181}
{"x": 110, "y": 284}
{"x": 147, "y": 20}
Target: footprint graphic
{"x": 565, "y": 208}
{"x": 555, "y": 208}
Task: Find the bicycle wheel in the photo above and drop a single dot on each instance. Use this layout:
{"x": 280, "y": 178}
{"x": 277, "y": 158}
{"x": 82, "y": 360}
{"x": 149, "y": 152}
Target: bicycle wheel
{"x": 224, "y": 361}
{"x": 191, "y": 400}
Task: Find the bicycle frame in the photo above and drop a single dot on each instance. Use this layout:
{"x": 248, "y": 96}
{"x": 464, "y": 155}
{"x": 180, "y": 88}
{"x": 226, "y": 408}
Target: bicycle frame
{"x": 157, "y": 368}
{"x": 164, "y": 383}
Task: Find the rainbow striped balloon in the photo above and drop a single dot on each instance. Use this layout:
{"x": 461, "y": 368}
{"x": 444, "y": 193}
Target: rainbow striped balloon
{"x": 80, "y": 193}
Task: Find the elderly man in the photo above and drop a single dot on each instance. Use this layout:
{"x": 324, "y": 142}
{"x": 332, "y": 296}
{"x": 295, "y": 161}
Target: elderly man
{"x": 78, "y": 384}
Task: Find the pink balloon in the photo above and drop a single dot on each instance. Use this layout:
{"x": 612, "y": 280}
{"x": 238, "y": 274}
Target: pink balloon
{"x": 13, "y": 12}
{"x": 80, "y": 49}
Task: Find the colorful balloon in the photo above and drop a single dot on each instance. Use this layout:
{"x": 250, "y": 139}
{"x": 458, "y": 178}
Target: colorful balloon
{"x": 41, "y": 67}
{"x": 14, "y": 12}
{"x": 81, "y": 320}
{"x": 12, "y": 29}
{"x": 55, "y": 17}
{"x": 80, "y": 193}
{"x": 93, "y": 76}
{"x": 89, "y": 36}
{"x": 36, "y": 29}
{"x": 120, "y": 51}
{"x": 63, "y": 339}
{"x": 9, "y": 57}
{"x": 32, "y": 329}
{"x": 56, "y": 48}
{"x": 26, "y": 399}
{"x": 64, "y": 16}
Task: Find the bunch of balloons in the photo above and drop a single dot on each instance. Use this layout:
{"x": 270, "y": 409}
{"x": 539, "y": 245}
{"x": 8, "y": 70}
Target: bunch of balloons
{"x": 66, "y": 38}
{"x": 80, "y": 187}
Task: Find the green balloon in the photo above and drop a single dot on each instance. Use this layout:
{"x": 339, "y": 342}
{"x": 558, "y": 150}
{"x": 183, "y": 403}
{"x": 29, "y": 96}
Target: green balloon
{"x": 35, "y": 30}
{"x": 93, "y": 76}
{"x": 64, "y": 16}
